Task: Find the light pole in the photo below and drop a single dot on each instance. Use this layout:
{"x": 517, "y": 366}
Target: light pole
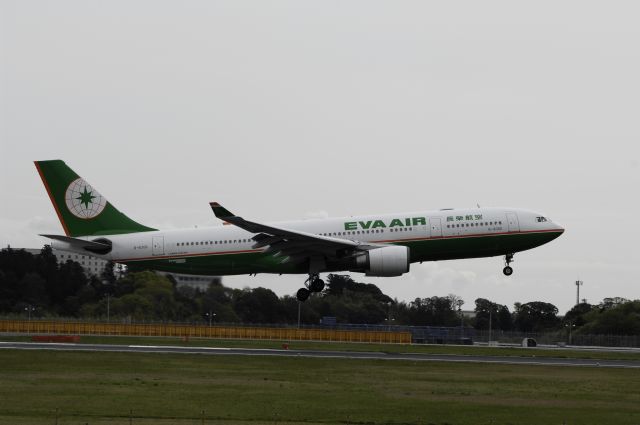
{"x": 570, "y": 326}
{"x": 460, "y": 302}
{"x": 212, "y": 317}
{"x": 389, "y": 321}
{"x": 490, "y": 317}
{"x": 29, "y": 309}
{"x": 579, "y": 283}
{"x": 108, "y": 308}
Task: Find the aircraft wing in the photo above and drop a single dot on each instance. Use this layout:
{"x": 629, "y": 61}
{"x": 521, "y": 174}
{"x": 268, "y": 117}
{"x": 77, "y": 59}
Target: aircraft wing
{"x": 294, "y": 245}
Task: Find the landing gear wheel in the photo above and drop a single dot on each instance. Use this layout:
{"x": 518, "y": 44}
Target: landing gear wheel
{"x": 316, "y": 285}
{"x": 302, "y": 294}
{"x": 508, "y": 259}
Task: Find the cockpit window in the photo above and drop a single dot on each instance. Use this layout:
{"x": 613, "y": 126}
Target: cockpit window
{"x": 541, "y": 219}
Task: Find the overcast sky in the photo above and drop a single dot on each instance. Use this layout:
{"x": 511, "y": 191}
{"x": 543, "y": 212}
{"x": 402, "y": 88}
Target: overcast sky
{"x": 292, "y": 109}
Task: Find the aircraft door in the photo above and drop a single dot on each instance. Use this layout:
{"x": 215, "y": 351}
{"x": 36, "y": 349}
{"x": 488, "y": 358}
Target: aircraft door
{"x": 512, "y": 219}
{"x": 158, "y": 245}
{"x": 435, "y": 224}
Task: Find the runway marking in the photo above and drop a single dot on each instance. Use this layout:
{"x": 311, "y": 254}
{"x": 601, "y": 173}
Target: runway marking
{"x": 451, "y": 358}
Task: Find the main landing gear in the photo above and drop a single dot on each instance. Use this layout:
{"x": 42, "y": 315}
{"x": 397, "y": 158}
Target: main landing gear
{"x": 313, "y": 284}
{"x": 508, "y": 259}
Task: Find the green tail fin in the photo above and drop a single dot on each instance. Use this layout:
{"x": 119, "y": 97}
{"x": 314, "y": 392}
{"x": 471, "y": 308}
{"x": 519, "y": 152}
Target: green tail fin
{"x": 81, "y": 209}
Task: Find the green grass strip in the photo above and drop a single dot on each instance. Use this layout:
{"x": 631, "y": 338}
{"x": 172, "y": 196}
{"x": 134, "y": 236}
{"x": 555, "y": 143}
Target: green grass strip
{"x": 103, "y": 388}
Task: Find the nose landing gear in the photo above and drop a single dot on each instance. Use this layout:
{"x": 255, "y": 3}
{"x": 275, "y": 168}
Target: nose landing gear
{"x": 508, "y": 259}
{"x": 313, "y": 284}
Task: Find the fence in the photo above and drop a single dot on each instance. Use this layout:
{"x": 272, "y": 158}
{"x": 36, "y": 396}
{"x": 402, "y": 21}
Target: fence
{"x": 201, "y": 331}
{"x": 553, "y": 338}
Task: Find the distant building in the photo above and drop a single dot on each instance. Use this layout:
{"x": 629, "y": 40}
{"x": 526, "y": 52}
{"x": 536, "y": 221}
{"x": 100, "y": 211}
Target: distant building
{"x": 194, "y": 281}
{"x": 469, "y": 314}
{"x": 94, "y": 266}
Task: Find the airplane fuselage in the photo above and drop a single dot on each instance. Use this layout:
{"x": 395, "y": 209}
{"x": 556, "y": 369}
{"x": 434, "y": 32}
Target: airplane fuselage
{"x": 429, "y": 235}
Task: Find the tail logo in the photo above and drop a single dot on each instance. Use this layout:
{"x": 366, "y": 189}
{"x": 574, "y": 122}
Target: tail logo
{"x": 83, "y": 201}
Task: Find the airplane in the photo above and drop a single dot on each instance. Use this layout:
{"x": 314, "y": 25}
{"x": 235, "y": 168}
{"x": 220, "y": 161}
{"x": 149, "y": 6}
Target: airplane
{"x": 377, "y": 245}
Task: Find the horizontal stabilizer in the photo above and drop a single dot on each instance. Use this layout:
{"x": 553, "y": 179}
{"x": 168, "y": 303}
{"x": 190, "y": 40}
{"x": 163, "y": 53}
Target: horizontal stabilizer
{"x": 81, "y": 244}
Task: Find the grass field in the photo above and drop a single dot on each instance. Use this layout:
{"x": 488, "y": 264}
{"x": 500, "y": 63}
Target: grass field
{"x": 337, "y": 346}
{"x": 102, "y": 388}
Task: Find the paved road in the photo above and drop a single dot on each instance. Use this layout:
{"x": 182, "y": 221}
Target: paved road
{"x": 323, "y": 354}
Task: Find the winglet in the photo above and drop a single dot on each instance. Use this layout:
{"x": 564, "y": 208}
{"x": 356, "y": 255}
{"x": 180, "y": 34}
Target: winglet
{"x": 221, "y": 212}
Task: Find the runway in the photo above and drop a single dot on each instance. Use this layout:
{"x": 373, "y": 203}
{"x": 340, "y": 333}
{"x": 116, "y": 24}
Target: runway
{"x": 542, "y": 361}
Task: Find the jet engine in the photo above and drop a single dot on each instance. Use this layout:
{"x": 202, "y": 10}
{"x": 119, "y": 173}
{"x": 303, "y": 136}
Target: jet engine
{"x": 385, "y": 262}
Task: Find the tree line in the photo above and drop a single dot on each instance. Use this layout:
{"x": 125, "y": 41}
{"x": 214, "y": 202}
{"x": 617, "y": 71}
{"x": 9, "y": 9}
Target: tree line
{"x": 36, "y": 285}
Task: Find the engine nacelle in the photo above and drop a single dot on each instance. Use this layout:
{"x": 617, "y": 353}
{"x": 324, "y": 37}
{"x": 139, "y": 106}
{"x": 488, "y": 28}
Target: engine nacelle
{"x": 385, "y": 262}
